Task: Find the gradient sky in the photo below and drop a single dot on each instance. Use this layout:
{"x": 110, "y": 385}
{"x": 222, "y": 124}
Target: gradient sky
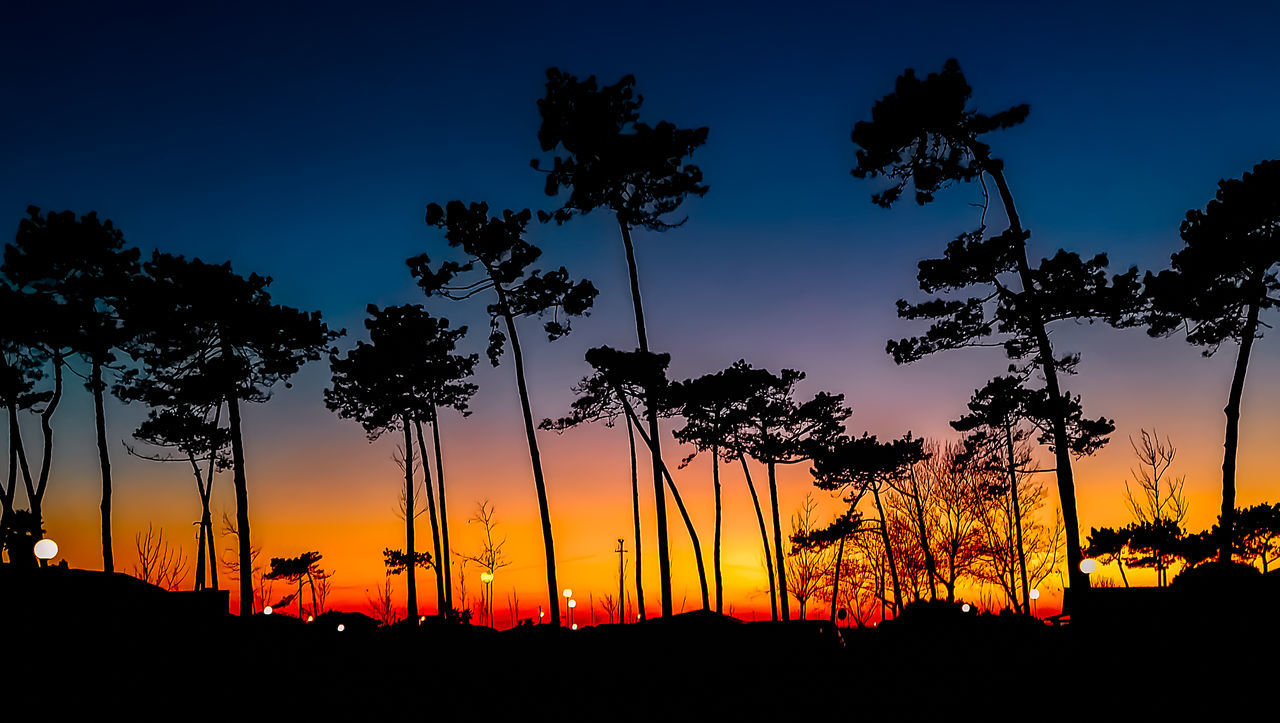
{"x": 304, "y": 140}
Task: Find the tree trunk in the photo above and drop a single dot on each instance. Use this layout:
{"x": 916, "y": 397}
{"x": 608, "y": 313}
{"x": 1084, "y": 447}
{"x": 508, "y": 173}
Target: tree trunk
{"x": 1017, "y": 517}
{"x": 778, "y": 559}
{"x": 1048, "y": 365}
{"x": 412, "y": 603}
{"x": 36, "y": 495}
{"x": 444, "y": 508}
{"x": 1227, "y": 517}
{"x": 635, "y": 514}
{"x": 715, "y": 477}
{"x": 315, "y": 606}
{"x": 764, "y": 538}
{"x": 888, "y": 552}
{"x": 442, "y": 599}
{"x": 835, "y": 582}
{"x": 242, "y": 508}
{"x": 104, "y": 462}
{"x": 684, "y": 513}
{"x": 544, "y": 511}
{"x": 651, "y": 413}
{"x": 205, "y": 516}
{"x": 930, "y": 565}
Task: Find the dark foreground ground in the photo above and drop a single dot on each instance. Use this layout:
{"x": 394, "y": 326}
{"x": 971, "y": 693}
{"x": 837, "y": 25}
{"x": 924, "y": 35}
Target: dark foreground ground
{"x": 101, "y": 647}
{"x": 998, "y": 669}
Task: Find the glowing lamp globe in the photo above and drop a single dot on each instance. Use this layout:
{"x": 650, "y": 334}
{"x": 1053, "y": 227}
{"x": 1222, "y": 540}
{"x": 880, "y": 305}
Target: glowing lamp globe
{"x": 311, "y": 618}
{"x": 575, "y": 626}
{"x": 965, "y": 607}
{"x": 341, "y": 627}
{"x": 541, "y": 614}
{"x": 1035, "y": 594}
{"x": 486, "y": 577}
{"x": 1088, "y": 565}
{"x": 266, "y": 610}
{"x": 46, "y": 549}
{"x": 422, "y": 619}
{"x": 568, "y": 593}
{"x": 573, "y": 603}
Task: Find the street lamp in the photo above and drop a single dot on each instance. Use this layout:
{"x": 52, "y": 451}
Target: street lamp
{"x": 266, "y": 610}
{"x": 1035, "y": 598}
{"x": 486, "y": 577}
{"x": 965, "y": 608}
{"x": 572, "y": 604}
{"x": 1088, "y": 565}
{"x": 45, "y": 551}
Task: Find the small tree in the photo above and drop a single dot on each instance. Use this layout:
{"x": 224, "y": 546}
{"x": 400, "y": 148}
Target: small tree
{"x": 1258, "y": 534}
{"x": 303, "y": 568}
{"x": 807, "y": 566}
{"x": 159, "y": 563}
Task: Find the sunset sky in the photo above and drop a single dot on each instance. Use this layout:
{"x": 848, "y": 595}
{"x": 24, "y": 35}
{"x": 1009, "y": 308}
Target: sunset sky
{"x": 304, "y": 142}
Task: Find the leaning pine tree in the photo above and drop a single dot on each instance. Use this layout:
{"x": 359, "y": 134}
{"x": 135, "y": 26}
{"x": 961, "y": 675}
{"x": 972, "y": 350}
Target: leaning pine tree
{"x": 495, "y": 248}
{"x": 638, "y": 172}
{"x": 923, "y": 134}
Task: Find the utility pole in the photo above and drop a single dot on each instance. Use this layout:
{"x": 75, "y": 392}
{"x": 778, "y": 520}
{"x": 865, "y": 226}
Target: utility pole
{"x": 622, "y": 570}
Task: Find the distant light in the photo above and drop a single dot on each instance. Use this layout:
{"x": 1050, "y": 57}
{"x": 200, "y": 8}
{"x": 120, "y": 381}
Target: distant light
{"x": 341, "y": 627}
{"x": 46, "y": 549}
{"x": 486, "y": 577}
{"x": 573, "y": 603}
{"x": 568, "y": 592}
{"x": 311, "y": 618}
{"x": 422, "y": 619}
{"x": 637, "y": 616}
{"x": 1035, "y": 594}
{"x": 541, "y": 614}
{"x": 575, "y": 626}
{"x": 1088, "y": 565}
{"x": 965, "y": 607}
{"x": 266, "y": 610}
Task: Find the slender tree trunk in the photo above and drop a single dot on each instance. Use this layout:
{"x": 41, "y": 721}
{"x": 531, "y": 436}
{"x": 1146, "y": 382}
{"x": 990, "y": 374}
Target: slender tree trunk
{"x": 929, "y": 563}
{"x": 764, "y": 538}
{"x": 684, "y": 512}
{"x": 200, "y": 558}
{"x": 441, "y": 561}
{"x": 778, "y": 559}
{"x": 651, "y": 413}
{"x": 635, "y": 514}
{"x": 544, "y": 511}
{"x": 315, "y": 606}
{"x": 201, "y": 538}
{"x": 1120, "y": 564}
{"x": 835, "y": 582}
{"x": 1227, "y": 516}
{"x": 444, "y": 508}
{"x": 888, "y": 551}
{"x": 242, "y": 508}
{"x": 715, "y": 477}
{"x": 412, "y": 603}
{"x": 104, "y": 462}
{"x": 1049, "y": 366}
{"x": 36, "y": 495}
{"x": 206, "y": 517}
{"x": 1017, "y": 518}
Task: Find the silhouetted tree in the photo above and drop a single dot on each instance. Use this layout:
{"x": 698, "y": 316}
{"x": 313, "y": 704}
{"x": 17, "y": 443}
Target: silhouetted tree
{"x": 1258, "y": 533}
{"x": 642, "y": 375}
{"x": 189, "y": 430}
{"x": 807, "y": 565}
{"x": 196, "y": 323}
{"x": 394, "y": 382}
{"x": 780, "y": 430}
{"x": 638, "y": 172}
{"x": 303, "y": 568}
{"x": 159, "y": 563}
{"x": 1107, "y": 544}
{"x": 856, "y": 466}
{"x": 922, "y": 134}
{"x": 1219, "y": 283}
{"x": 951, "y": 481}
{"x": 84, "y": 265}
{"x": 496, "y": 247}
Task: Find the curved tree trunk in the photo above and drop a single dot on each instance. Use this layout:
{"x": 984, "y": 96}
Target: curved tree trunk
{"x": 1017, "y": 517}
{"x": 778, "y": 558}
{"x": 441, "y": 599}
{"x": 635, "y": 514}
{"x": 1232, "y": 442}
{"x": 544, "y": 511}
{"x": 35, "y": 494}
{"x": 444, "y": 508}
{"x": 1048, "y": 365}
{"x": 888, "y": 552}
{"x": 104, "y": 462}
{"x": 651, "y": 413}
{"x": 929, "y": 562}
{"x": 412, "y": 602}
{"x": 764, "y": 538}
{"x": 835, "y": 582}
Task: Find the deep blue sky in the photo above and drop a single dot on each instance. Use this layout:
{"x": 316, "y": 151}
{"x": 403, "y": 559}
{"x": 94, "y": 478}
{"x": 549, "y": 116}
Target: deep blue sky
{"x": 304, "y": 140}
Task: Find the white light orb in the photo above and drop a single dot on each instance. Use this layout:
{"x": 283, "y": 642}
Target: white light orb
{"x": 1088, "y": 565}
{"x": 311, "y": 618}
{"x": 266, "y": 610}
{"x": 422, "y": 619}
{"x": 541, "y": 614}
{"x": 341, "y": 627}
{"x": 637, "y": 616}
{"x": 573, "y": 604}
{"x": 486, "y": 577}
{"x": 46, "y": 549}
{"x": 1035, "y": 594}
{"x": 575, "y": 626}
{"x": 568, "y": 593}
{"x": 965, "y": 607}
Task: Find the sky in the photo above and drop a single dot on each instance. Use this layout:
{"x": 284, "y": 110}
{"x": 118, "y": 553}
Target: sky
{"x": 304, "y": 140}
